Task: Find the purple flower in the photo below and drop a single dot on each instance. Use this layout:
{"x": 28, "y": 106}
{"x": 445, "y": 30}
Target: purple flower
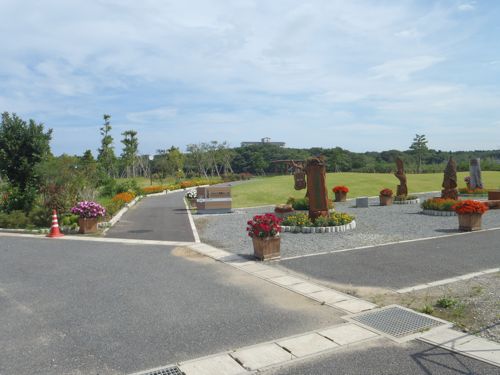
{"x": 88, "y": 209}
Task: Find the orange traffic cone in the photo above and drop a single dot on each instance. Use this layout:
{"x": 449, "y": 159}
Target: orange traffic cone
{"x": 54, "y": 229}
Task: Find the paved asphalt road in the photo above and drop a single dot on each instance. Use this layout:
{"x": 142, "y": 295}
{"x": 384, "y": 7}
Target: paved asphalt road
{"x": 162, "y": 218}
{"x": 406, "y": 264}
{"x": 77, "y": 307}
{"x": 372, "y": 358}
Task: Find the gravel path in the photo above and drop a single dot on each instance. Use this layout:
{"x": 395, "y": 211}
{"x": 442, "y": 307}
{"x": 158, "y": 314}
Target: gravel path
{"x": 375, "y": 225}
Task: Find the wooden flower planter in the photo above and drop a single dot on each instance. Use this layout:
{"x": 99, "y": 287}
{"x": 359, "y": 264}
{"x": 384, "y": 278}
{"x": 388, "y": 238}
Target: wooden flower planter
{"x": 87, "y": 225}
{"x": 266, "y": 248}
{"x": 469, "y": 222}
{"x": 340, "y": 196}
{"x": 385, "y": 200}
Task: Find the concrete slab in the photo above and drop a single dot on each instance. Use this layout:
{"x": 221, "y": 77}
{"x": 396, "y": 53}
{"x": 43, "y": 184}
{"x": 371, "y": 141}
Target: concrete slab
{"x": 269, "y": 274}
{"x": 312, "y": 343}
{"x": 307, "y": 288}
{"x": 261, "y": 356}
{"x": 287, "y": 280}
{"x": 347, "y": 334}
{"x": 328, "y": 296}
{"x": 221, "y": 365}
{"x": 353, "y": 305}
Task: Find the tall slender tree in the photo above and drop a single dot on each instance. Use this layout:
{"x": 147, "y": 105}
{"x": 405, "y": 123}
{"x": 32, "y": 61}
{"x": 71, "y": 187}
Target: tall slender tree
{"x": 106, "y": 154}
{"x": 419, "y": 147}
{"x": 129, "y": 153}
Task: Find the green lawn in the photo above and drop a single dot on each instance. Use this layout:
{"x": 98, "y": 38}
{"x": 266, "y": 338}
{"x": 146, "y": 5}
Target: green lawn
{"x": 273, "y": 190}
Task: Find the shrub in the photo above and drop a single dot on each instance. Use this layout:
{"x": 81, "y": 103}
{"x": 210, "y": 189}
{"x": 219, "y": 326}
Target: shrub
{"x": 438, "y": 204}
{"x": 40, "y": 216}
{"x": 112, "y": 207}
{"x": 322, "y": 221}
{"x": 469, "y": 207}
{"x": 125, "y": 197}
{"x": 14, "y": 219}
{"x": 298, "y": 220}
{"x": 128, "y": 186}
{"x": 477, "y": 191}
{"x": 340, "y": 188}
{"x": 386, "y": 192}
{"x": 446, "y": 302}
{"x": 153, "y": 189}
{"x": 339, "y": 218}
{"x": 267, "y": 225}
{"x": 299, "y": 203}
{"x": 401, "y": 198}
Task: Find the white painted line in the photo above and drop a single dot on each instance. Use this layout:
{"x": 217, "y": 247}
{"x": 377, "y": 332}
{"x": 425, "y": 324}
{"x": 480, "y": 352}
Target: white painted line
{"x": 347, "y": 334}
{"x": 308, "y": 344}
{"x": 262, "y": 356}
{"x": 388, "y": 244}
{"x": 462, "y": 343}
{"x": 101, "y": 239}
{"x": 221, "y": 365}
{"x": 191, "y": 222}
{"x": 467, "y": 276}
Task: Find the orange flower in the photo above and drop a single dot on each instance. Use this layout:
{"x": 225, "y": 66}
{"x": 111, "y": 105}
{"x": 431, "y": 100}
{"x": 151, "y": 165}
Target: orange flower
{"x": 470, "y": 207}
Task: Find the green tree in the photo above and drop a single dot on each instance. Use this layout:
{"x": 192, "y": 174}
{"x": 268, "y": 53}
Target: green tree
{"x": 22, "y": 146}
{"x": 129, "y": 153}
{"x": 106, "y": 154}
{"x": 419, "y": 147}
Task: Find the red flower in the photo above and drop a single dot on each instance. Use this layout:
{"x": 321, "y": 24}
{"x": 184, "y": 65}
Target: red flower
{"x": 267, "y": 225}
{"x": 386, "y": 192}
{"x": 470, "y": 207}
{"x": 340, "y": 188}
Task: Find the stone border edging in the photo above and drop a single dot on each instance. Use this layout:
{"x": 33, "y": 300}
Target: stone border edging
{"x": 410, "y": 201}
{"x": 439, "y": 213}
{"x": 332, "y": 229}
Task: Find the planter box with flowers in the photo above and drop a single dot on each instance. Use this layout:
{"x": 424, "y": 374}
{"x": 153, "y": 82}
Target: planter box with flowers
{"x": 469, "y": 214}
{"x": 191, "y": 195}
{"x": 265, "y": 233}
{"x": 385, "y": 196}
{"x": 340, "y": 193}
{"x": 89, "y": 213}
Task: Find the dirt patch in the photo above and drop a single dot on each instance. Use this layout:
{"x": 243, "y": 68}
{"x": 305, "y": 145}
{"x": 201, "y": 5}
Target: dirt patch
{"x": 187, "y": 253}
{"x": 473, "y": 305}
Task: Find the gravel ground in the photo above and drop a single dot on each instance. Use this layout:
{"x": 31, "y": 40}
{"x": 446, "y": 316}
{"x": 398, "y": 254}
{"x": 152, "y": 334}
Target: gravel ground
{"x": 375, "y": 225}
{"x": 476, "y": 309}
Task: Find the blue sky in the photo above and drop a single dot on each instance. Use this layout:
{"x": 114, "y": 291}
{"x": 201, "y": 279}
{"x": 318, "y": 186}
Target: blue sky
{"x": 363, "y": 75}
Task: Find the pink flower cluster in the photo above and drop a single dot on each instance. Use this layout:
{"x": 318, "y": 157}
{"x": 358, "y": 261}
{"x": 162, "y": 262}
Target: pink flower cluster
{"x": 88, "y": 209}
{"x": 267, "y": 225}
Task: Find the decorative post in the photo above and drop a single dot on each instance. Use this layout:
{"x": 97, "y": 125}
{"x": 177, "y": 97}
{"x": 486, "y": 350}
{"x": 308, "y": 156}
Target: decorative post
{"x": 315, "y": 171}
{"x": 475, "y": 174}
{"x": 450, "y": 181}
{"x": 402, "y": 190}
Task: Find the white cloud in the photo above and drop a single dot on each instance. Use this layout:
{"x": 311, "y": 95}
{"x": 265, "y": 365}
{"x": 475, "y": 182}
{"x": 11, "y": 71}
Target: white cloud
{"x": 152, "y": 115}
{"x": 467, "y": 7}
{"x": 402, "y": 69}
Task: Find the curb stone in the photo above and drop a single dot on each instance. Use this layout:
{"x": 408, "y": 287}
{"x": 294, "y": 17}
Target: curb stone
{"x": 439, "y": 213}
{"x": 331, "y": 229}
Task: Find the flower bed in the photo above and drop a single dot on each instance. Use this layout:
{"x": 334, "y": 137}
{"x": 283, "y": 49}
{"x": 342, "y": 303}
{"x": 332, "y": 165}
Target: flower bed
{"x": 408, "y": 199}
{"x": 439, "y": 207}
{"x": 336, "y": 222}
{"x": 472, "y": 192}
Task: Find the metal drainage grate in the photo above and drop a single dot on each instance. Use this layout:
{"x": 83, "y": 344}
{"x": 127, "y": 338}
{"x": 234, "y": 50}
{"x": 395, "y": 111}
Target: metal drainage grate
{"x": 172, "y": 370}
{"x": 396, "y": 321}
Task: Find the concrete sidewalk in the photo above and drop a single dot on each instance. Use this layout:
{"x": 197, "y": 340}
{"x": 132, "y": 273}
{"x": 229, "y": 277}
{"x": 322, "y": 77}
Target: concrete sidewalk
{"x": 161, "y": 218}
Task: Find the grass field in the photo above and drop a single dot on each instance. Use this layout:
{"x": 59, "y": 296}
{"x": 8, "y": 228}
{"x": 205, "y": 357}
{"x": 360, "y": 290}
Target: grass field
{"x": 274, "y": 190}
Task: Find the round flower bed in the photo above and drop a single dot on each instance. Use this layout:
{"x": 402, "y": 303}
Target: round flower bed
{"x": 439, "y": 207}
{"x": 336, "y": 222}
{"x": 409, "y": 199}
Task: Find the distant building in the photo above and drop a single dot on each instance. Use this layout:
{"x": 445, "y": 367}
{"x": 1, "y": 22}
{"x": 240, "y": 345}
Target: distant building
{"x": 263, "y": 141}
